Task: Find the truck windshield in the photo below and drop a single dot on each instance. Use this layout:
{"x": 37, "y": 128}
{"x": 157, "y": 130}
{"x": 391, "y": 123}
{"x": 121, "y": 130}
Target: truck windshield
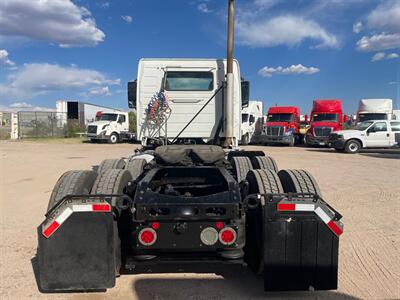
{"x": 245, "y": 118}
{"x": 325, "y": 117}
{"x": 367, "y": 117}
{"x": 189, "y": 81}
{"x": 363, "y": 125}
{"x": 108, "y": 117}
{"x": 280, "y": 118}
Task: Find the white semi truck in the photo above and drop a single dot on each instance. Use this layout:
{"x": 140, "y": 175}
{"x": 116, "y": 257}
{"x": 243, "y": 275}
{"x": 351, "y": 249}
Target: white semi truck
{"x": 374, "y": 109}
{"x": 189, "y": 86}
{"x": 252, "y": 123}
{"x": 112, "y": 127}
{"x": 190, "y": 204}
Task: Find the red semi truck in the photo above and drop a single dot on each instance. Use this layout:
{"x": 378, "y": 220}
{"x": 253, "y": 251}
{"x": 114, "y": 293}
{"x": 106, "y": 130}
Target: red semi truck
{"x": 282, "y": 126}
{"x": 326, "y": 117}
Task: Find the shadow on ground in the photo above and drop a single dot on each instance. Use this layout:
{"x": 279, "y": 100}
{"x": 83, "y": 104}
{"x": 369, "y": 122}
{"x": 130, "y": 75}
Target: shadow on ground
{"x": 377, "y": 153}
{"x": 233, "y": 282}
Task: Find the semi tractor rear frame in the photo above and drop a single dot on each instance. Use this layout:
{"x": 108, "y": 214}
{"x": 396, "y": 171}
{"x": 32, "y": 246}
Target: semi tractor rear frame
{"x": 188, "y": 204}
{"x": 177, "y": 203}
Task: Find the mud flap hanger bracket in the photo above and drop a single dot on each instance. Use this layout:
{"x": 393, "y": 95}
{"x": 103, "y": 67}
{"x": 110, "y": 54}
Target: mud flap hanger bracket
{"x": 299, "y": 202}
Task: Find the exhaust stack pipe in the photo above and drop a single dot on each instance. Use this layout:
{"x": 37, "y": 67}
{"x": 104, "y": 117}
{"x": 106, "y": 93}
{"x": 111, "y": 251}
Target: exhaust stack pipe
{"x": 229, "y": 78}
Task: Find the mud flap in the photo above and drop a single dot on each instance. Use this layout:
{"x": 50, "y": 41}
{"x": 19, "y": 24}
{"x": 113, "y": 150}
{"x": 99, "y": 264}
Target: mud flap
{"x": 300, "y": 250}
{"x": 76, "y": 250}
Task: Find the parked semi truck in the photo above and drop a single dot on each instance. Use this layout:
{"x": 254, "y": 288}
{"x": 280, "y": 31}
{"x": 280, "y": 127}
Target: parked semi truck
{"x": 367, "y": 134}
{"x": 252, "y": 123}
{"x": 190, "y": 203}
{"x": 282, "y": 126}
{"x": 112, "y": 127}
{"x": 374, "y": 109}
{"x": 326, "y": 117}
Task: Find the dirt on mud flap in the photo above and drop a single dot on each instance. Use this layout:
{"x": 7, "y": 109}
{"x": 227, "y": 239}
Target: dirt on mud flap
{"x": 76, "y": 245}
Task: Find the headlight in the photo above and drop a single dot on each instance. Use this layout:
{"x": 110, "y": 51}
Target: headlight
{"x": 105, "y": 126}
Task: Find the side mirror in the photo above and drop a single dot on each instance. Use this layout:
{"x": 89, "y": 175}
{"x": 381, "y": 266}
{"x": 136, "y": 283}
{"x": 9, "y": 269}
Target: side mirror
{"x": 132, "y": 88}
{"x": 372, "y": 129}
{"x": 345, "y": 118}
{"x": 245, "y": 93}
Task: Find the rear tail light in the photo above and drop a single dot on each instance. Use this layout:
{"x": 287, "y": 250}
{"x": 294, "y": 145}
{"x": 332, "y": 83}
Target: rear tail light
{"x": 227, "y": 236}
{"x": 209, "y": 236}
{"x": 147, "y": 236}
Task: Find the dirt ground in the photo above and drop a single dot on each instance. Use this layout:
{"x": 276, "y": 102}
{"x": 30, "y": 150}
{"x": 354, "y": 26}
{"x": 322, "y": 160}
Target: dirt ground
{"x": 365, "y": 188}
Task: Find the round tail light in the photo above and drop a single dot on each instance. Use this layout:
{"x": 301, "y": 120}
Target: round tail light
{"x": 227, "y": 236}
{"x": 209, "y": 236}
{"x": 147, "y": 236}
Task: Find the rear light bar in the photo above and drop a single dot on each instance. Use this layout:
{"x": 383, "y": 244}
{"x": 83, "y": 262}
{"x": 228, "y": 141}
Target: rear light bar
{"x": 60, "y": 216}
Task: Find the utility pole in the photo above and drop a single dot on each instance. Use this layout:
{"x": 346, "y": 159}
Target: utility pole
{"x": 229, "y": 77}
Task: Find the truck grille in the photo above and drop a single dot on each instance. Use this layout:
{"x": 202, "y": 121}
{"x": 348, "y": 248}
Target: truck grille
{"x": 322, "y": 131}
{"x": 92, "y": 129}
{"x": 274, "y": 130}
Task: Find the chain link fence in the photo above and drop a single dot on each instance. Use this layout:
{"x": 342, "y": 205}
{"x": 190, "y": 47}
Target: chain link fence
{"x": 42, "y": 124}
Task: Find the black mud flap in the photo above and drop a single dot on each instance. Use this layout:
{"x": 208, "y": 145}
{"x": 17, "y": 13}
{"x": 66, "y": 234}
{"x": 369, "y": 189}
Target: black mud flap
{"x": 300, "y": 249}
{"x": 76, "y": 250}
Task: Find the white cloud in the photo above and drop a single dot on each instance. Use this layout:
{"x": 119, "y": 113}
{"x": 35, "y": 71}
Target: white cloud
{"x": 100, "y": 91}
{"x": 203, "y": 7}
{"x": 104, "y": 4}
{"x": 378, "y": 56}
{"x": 57, "y": 21}
{"x": 29, "y": 107}
{"x": 37, "y": 79}
{"x": 293, "y": 69}
{"x": 283, "y": 30}
{"x": 382, "y": 55}
{"x": 127, "y": 19}
{"x": 379, "y": 42}
{"x": 20, "y": 105}
{"x": 357, "y": 27}
{"x": 4, "y": 60}
{"x": 392, "y": 56}
{"x": 385, "y": 17}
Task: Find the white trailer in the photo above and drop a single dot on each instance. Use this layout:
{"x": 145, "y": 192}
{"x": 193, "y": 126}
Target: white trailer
{"x": 189, "y": 84}
{"x": 81, "y": 111}
{"x": 374, "y": 109}
{"x": 252, "y": 123}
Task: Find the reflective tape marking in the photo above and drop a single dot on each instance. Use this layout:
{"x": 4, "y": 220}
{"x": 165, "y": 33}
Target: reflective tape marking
{"x": 323, "y": 215}
{"x": 49, "y": 230}
{"x": 64, "y": 215}
{"x": 305, "y": 207}
{"x": 335, "y": 228}
{"x": 286, "y": 207}
{"x": 81, "y": 208}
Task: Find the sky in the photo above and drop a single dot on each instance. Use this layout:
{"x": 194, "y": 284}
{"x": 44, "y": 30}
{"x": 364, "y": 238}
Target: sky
{"x": 291, "y": 51}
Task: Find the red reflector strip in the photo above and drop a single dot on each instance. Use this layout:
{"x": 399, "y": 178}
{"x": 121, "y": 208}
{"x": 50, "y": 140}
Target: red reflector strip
{"x": 101, "y": 207}
{"x": 333, "y": 226}
{"x": 49, "y": 230}
{"x": 286, "y": 207}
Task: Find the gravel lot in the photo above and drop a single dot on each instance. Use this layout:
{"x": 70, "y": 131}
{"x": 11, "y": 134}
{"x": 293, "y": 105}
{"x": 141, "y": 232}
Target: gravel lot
{"x": 365, "y": 188}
